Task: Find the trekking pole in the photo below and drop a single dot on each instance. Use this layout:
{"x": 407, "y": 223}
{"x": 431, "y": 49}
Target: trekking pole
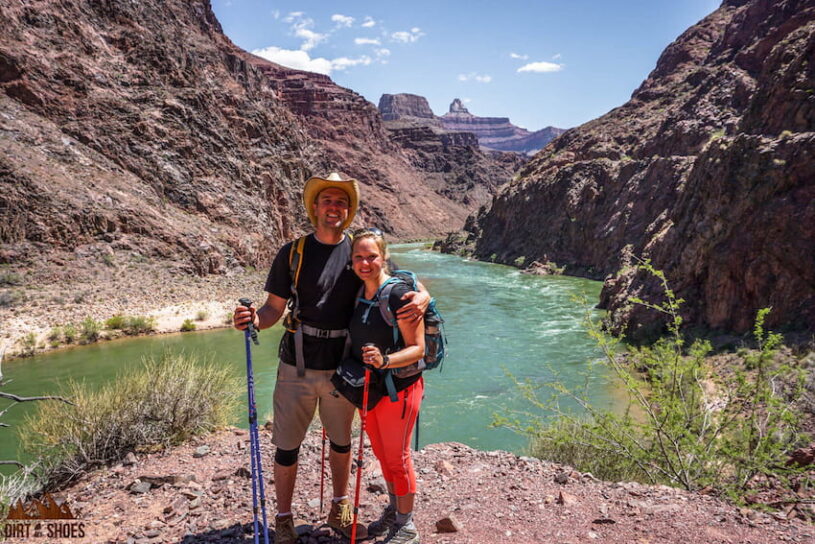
{"x": 364, "y": 416}
{"x": 322, "y": 473}
{"x": 416, "y": 438}
{"x": 254, "y": 438}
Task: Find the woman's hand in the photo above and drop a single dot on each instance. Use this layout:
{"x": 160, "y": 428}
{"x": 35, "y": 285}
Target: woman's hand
{"x": 372, "y": 356}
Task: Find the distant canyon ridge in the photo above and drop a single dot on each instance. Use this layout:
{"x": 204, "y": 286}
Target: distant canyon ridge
{"x": 492, "y": 133}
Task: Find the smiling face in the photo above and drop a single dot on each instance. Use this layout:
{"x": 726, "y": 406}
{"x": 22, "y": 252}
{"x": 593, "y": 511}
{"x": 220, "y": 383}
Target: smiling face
{"x": 331, "y": 208}
{"x": 367, "y": 258}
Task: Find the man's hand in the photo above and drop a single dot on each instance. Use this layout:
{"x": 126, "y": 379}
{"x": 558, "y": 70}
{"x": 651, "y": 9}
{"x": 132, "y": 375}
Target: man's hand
{"x": 243, "y": 316}
{"x": 415, "y": 309}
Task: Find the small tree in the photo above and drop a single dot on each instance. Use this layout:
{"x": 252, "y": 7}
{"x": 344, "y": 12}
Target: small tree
{"x": 685, "y": 424}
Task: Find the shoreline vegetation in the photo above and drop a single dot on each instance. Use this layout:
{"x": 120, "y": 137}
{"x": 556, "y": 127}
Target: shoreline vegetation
{"x": 37, "y": 319}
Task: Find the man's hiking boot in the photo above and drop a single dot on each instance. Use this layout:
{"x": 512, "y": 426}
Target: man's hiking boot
{"x": 284, "y": 532}
{"x": 403, "y": 534}
{"x": 384, "y": 523}
{"x": 341, "y": 519}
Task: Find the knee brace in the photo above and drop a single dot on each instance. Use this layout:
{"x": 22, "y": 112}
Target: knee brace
{"x": 340, "y": 449}
{"x": 286, "y": 458}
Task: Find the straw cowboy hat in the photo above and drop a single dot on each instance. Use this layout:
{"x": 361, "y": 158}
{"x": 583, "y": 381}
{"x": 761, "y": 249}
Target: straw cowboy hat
{"x": 315, "y": 185}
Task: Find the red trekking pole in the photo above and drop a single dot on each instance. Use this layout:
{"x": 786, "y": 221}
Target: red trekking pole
{"x": 364, "y": 415}
{"x": 322, "y": 473}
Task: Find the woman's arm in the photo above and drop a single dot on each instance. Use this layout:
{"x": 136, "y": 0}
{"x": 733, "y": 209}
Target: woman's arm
{"x": 413, "y": 335}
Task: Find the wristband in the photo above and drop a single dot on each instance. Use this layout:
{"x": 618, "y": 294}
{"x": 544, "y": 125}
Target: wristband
{"x": 385, "y": 361}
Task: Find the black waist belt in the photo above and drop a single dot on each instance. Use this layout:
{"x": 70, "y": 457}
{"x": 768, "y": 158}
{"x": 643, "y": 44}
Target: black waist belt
{"x": 315, "y": 332}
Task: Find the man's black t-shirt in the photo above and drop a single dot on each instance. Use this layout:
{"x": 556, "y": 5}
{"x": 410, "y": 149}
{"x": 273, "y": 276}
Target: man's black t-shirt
{"x": 373, "y": 328}
{"x": 321, "y": 307}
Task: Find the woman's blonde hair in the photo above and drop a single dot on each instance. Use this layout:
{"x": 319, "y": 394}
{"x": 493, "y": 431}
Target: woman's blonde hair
{"x": 377, "y": 236}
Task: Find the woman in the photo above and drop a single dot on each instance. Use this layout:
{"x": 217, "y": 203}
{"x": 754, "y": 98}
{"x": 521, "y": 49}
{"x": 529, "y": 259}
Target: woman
{"x": 389, "y": 423}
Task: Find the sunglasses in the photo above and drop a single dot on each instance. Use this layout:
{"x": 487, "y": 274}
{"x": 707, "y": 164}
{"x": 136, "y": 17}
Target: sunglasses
{"x": 368, "y": 230}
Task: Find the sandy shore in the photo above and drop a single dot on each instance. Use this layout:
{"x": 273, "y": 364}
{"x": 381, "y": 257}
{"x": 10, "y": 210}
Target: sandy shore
{"x": 49, "y": 297}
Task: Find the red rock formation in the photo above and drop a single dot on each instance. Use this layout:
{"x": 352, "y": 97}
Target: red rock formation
{"x": 708, "y": 170}
{"x": 139, "y": 127}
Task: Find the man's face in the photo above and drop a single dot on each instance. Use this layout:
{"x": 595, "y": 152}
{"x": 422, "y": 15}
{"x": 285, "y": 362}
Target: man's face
{"x": 331, "y": 208}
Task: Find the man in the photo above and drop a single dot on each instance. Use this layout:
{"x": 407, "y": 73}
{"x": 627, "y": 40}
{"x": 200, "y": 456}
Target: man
{"x": 322, "y": 300}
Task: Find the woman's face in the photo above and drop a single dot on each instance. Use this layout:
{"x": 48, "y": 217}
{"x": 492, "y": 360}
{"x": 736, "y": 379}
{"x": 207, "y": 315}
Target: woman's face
{"x": 366, "y": 259}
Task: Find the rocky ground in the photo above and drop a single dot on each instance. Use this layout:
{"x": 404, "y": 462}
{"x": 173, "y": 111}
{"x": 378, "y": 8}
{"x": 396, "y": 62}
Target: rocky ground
{"x": 200, "y": 492}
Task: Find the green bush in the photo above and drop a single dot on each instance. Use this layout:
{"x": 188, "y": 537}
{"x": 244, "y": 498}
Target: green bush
{"x": 69, "y": 333}
{"x": 28, "y": 345}
{"x": 685, "y": 424}
{"x": 89, "y": 330}
{"x": 163, "y": 403}
{"x": 140, "y": 324}
{"x": 202, "y": 315}
{"x": 55, "y": 336}
{"x": 187, "y": 326}
{"x": 117, "y": 322}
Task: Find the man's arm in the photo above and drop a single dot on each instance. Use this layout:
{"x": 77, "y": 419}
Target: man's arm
{"x": 419, "y": 301}
{"x": 265, "y": 316}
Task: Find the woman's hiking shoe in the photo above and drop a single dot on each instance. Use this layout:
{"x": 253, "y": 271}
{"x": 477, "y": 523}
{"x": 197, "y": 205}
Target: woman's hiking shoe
{"x": 403, "y": 534}
{"x": 341, "y": 519}
{"x": 384, "y": 523}
{"x": 284, "y": 532}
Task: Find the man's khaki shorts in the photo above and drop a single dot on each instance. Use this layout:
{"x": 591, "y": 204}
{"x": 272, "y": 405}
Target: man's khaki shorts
{"x": 295, "y": 401}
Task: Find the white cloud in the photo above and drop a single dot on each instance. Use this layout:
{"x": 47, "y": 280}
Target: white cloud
{"x": 342, "y": 20}
{"x": 466, "y": 100}
{"x": 342, "y": 63}
{"x": 366, "y": 41}
{"x": 311, "y": 38}
{"x": 369, "y": 22}
{"x": 298, "y": 59}
{"x": 407, "y": 37}
{"x": 517, "y": 56}
{"x": 291, "y": 17}
{"x": 276, "y": 14}
{"x": 301, "y": 60}
{"x": 382, "y": 52}
{"x": 541, "y": 67}
{"x": 472, "y": 76}
{"x": 556, "y": 56}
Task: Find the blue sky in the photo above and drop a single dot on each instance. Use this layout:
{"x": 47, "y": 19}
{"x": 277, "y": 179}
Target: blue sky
{"x": 540, "y": 63}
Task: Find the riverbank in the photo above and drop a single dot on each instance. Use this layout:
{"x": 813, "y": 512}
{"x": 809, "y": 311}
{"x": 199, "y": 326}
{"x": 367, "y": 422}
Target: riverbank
{"x": 200, "y": 492}
{"x": 36, "y": 299}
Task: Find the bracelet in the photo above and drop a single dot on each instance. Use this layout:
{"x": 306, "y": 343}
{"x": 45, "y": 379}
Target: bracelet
{"x": 385, "y": 361}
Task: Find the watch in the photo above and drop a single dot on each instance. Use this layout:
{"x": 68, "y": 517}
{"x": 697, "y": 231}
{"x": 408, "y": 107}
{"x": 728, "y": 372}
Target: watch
{"x": 385, "y": 361}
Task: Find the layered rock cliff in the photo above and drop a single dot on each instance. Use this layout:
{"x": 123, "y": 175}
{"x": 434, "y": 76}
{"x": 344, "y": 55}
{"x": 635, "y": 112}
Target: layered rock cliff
{"x": 497, "y": 133}
{"x": 141, "y": 127}
{"x": 709, "y": 171}
{"x": 453, "y": 163}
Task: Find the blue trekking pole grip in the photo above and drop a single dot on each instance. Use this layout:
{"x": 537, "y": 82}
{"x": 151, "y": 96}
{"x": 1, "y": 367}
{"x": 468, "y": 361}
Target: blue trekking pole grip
{"x": 254, "y": 438}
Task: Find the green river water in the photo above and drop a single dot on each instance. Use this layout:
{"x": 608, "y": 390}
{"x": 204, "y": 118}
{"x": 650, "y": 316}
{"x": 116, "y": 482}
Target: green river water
{"x": 498, "y": 320}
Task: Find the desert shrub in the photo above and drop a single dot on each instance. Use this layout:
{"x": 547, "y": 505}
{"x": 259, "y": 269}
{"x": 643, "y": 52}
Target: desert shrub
{"x": 685, "y": 424}
{"x": 28, "y": 345}
{"x": 55, "y": 336}
{"x": 10, "y": 278}
{"x": 10, "y": 298}
{"x": 69, "y": 333}
{"x": 162, "y": 403}
{"x": 140, "y": 324}
{"x": 202, "y": 315}
{"x": 89, "y": 330}
{"x": 116, "y": 322}
{"x": 187, "y": 326}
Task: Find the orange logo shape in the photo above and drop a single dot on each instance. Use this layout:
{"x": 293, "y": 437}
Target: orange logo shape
{"x": 45, "y": 508}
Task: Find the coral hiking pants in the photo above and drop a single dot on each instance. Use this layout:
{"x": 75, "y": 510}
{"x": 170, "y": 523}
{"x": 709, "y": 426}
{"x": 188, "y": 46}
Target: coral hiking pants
{"x": 390, "y": 425}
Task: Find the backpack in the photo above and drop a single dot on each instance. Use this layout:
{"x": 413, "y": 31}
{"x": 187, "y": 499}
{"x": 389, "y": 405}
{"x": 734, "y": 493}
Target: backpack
{"x": 435, "y": 341}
